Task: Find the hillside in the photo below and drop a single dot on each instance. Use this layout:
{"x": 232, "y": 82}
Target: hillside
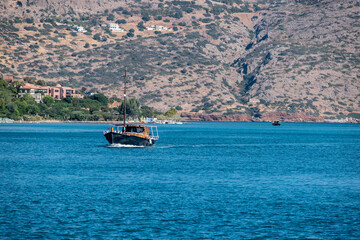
{"x": 227, "y": 56}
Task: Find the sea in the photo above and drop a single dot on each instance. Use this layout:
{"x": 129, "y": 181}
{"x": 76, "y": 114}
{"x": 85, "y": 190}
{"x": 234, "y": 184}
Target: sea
{"x": 201, "y": 180}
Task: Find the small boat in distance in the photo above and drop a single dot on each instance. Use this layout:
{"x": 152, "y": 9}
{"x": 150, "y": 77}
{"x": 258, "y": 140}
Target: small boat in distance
{"x": 276, "y": 123}
{"x": 131, "y": 134}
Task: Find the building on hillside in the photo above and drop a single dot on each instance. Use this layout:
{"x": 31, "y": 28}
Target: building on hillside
{"x": 70, "y": 92}
{"x": 254, "y": 100}
{"x": 36, "y": 92}
{"x": 58, "y": 92}
{"x": 158, "y": 28}
{"x": 114, "y": 27}
{"x": 80, "y": 29}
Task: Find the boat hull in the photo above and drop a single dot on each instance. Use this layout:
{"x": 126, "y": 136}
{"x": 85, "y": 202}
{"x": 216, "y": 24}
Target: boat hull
{"x": 119, "y": 138}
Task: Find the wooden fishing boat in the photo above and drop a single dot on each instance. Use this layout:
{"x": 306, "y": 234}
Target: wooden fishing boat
{"x": 131, "y": 134}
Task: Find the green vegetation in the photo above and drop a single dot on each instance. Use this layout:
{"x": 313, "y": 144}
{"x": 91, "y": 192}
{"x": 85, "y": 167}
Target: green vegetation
{"x": 90, "y": 108}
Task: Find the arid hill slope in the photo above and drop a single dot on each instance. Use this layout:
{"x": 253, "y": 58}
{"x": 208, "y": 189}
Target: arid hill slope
{"x": 227, "y": 56}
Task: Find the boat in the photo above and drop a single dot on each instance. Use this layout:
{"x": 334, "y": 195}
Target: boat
{"x": 276, "y": 123}
{"x": 131, "y": 134}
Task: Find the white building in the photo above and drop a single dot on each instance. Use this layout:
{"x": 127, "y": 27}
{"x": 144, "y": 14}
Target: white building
{"x": 114, "y": 27}
{"x": 80, "y": 29}
{"x": 158, "y": 28}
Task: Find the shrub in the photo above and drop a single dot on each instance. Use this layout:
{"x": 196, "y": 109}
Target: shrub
{"x": 206, "y": 20}
{"x": 77, "y": 116}
{"x": 97, "y": 37}
{"x": 121, "y": 21}
{"x": 29, "y": 20}
{"x": 31, "y": 28}
{"x": 146, "y": 18}
{"x": 130, "y": 34}
{"x": 111, "y": 17}
{"x": 141, "y": 26}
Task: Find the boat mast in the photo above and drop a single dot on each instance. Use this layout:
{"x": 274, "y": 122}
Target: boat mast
{"x": 125, "y": 101}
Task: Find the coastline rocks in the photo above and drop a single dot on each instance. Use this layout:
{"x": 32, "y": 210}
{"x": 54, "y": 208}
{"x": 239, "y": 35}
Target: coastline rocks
{"x": 267, "y": 117}
{"x": 217, "y": 117}
{"x": 290, "y": 117}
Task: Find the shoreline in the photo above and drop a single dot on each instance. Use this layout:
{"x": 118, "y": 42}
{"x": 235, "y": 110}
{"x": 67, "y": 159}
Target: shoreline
{"x": 183, "y": 121}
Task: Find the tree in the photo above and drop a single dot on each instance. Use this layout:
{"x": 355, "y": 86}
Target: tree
{"x": 141, "y": 26}
{"x": 178, "y": 15}
{"x": 108, "y": 116}
{"x": 33, "y": 109}
{"x": 78, "y": 116}
{"x": 29, "y": 20}
{"x": 3, "y": 84}
{"x": 100, "y": 98}
{"x": 29, "y": 80}
{"x": 111, "y": 17}
{"x": 18, "y": 84}
{"x": 15, "y": 115}
{"x": 28, "y": 98}
{"x": 40, "y": 82}
{"x": 94, "y": 107}
{"x": 121, "y": 21}
{"x": 147, "y": 111}
{"x": 97, "y": 37}
{"x": 146, "y": 18}
{"x": 22, "y": 106}
{"x": 171, "y": 113}
{"x": 48, "y": 100}
{"x": 132, "y": 108}
{"x": 2, "y": 105}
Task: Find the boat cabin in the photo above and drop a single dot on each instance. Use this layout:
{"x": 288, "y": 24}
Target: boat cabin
{"x": 142, "y": 131}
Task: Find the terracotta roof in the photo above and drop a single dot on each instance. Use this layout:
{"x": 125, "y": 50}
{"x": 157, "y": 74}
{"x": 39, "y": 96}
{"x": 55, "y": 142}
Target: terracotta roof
{"x": 32, "y": 87}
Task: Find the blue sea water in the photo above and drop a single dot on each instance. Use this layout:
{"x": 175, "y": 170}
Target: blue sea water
{"x": 209, "y": 180}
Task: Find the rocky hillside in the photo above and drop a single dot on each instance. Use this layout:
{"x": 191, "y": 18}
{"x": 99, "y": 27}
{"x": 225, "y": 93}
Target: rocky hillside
{"x": 220, "y": 56}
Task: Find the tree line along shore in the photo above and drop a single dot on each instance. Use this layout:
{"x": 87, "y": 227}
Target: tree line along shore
{"x": 92, "y": 108}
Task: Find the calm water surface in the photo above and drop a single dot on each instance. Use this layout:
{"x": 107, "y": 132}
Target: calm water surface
{"x": 200, "y": 181}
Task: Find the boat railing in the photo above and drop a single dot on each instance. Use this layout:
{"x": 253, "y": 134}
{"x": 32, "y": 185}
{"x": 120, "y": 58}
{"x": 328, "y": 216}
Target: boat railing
{"x": 153, "y": 132}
